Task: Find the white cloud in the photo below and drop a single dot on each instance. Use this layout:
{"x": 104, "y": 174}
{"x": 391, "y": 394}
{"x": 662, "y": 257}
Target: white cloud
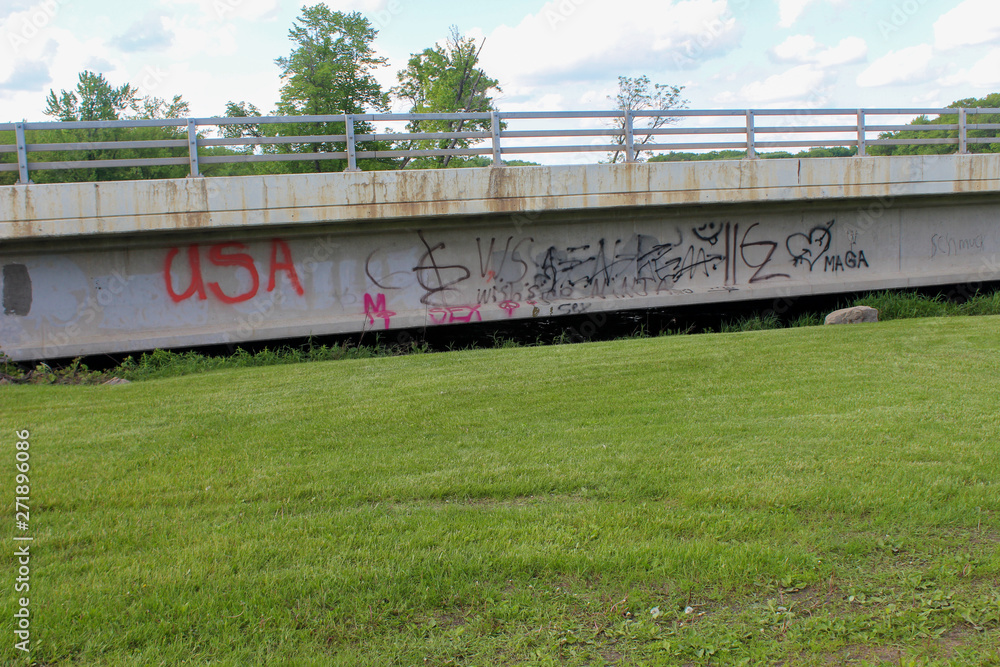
{"x": 803, "y": 49}
{"x": 909, "y": 65}
{"x": 23, "y": 34}
{"x": 146, "y": 34}
{"x": 795, "y": 49}
{"x": 229, "y": 10}
{"x": 985, "y": 73}
{"x": 574, "y": 41}
{"x": 803, "y": 85}
{"x": 32, "y": 43}
{"x": 848, "y": 51}
{"x": 363, "y": 6}
{"x": 191, "y": 37}
{"x": 930, "y": 98}
{"x": 178, "y": 69}
{"x": 789, "y": 11}
{"x": 970, "y": 23}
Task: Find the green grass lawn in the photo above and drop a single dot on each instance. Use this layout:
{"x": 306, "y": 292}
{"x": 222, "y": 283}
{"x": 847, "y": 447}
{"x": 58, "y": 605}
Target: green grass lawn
{"x": 818, "y": 496}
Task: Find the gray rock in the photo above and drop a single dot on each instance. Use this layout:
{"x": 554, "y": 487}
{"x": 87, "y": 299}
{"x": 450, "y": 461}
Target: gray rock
{"x": 855, "y": 315}
{"x": 118, "y": 381}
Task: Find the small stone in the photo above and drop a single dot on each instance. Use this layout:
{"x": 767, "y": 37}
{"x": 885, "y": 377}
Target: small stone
{"x": 118, "y": 381}
{"x": 855, "y": 315}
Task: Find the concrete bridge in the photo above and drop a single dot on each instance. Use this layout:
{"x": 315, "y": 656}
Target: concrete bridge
{"x": 90, "y": 268}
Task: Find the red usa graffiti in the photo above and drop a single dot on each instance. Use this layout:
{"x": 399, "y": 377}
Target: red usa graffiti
{"x": 223, "y": 255}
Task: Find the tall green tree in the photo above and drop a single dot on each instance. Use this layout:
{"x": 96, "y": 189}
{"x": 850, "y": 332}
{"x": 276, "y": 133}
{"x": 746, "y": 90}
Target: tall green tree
{"x": 329, "y": 72}
{"x": 157, "y": 108}
{"x": 241, "y": 130}
{"x": 244, "y": 130}
{"x": 636, "y": 95}
{"x": 447, "y": 79}
{"x": 95, "y": 99}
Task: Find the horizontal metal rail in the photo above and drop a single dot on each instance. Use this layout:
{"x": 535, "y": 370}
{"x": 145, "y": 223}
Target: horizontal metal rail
{"x": 280, "y": 157}
{"x": 103, "y": 164}
{"x": 110, "y": 145}
{"x": 808, "y": 128}
{"x": 263, "y": 141}
{"x": 353, "y": 137}
{"x": 719, "y": 146}
{"x": 432, "y": 152}
{"x": 912, "y": 142}
{"x": 804, "y": 144}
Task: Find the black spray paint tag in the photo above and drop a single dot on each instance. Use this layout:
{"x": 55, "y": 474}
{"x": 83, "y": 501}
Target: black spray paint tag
{"x": 16, "y": 290}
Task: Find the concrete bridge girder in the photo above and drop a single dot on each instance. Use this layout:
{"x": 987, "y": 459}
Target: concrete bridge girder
{"x": 114, "y": 267}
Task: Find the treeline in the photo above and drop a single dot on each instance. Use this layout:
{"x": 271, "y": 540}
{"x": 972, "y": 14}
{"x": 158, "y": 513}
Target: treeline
{"x": 680, "y": 156}
{"x": 329, "y": 72}
{"x": 991, "y": 101}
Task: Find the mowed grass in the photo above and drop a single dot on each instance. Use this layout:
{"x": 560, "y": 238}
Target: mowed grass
{"x": 819, "y": 495}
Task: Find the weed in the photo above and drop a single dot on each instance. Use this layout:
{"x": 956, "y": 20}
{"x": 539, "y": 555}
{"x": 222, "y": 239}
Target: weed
{"x": 756, "y": 322}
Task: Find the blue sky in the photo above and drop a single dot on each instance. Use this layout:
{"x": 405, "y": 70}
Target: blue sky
{"x": 565, "y": 54}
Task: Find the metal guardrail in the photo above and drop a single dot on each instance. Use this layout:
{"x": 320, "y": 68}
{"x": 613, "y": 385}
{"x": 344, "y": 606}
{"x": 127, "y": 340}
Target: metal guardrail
{"x": 622, "y": 138}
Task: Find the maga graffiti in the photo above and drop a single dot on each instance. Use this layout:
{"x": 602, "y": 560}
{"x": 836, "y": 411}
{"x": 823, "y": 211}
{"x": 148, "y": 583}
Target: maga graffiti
{"x": 814, "y": 246}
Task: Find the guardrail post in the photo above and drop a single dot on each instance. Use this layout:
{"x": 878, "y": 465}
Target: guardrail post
{"x": 629, "y": 137}
{"x": 22, "y": 153}
{"x": 862, "y": 139}
{"x": 352, "y": 156}
{"x": 751, "y": 140}
{"x": 495, "y": 132}
{"x": 963, "y": 131}
{"x": 193, "y": 148}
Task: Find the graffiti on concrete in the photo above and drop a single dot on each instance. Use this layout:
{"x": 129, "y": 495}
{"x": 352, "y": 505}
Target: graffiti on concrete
{"x": 222, "y": 255}
{"x": 452, "y": 277}
{"x": 947, "y": 245}
{"x": 16, "y": 290}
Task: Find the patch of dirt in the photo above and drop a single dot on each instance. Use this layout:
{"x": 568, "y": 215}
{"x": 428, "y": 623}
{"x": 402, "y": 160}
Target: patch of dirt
{"x": 858, "y": 654}
{"x": 941, "y": 648}
{"x": 611, "y": 657}
{"x": 449, "y": 620}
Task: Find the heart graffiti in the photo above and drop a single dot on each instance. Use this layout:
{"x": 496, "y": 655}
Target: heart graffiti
{"x": 808, "y": 248}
